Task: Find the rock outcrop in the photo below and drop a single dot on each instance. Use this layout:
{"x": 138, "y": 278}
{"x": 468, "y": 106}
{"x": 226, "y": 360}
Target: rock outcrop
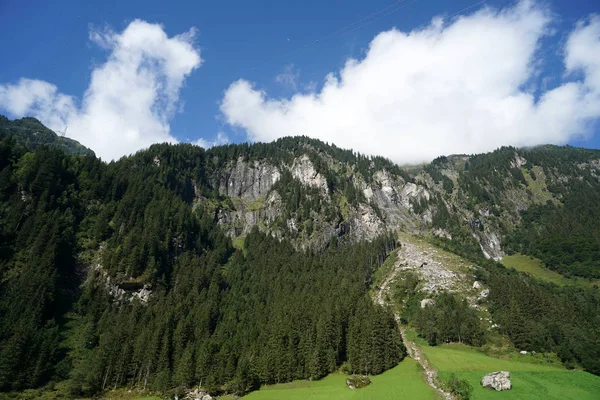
{"x": 248, "y": 180}
{"x": 304, "y": 170}
{"x": 499, "y": 380}
{"x": 427, "y": 302}
{"x": 357, "y": 382}
{"x": 198, "y": 395}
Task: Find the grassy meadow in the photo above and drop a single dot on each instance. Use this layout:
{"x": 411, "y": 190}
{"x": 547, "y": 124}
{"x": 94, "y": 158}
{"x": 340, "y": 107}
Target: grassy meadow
{"x": 530, "y": 380}
{"x": 405, "y": 381}
{"x": 534, "y": 267}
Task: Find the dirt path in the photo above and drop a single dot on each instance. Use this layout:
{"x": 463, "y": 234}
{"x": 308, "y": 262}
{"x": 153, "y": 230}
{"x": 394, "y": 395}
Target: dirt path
{"x": 411, "y": 347}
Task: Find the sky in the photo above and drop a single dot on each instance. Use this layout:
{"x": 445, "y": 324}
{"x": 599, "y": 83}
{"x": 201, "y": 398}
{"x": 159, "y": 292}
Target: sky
{"x": 409, "y": 80}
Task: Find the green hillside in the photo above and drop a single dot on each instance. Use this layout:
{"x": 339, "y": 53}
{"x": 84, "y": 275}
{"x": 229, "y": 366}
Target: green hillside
{"x": 529, "y": 380}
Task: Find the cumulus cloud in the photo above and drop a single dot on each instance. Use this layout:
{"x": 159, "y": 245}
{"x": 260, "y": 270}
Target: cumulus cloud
{"x": 131, "y": 97}
{"x": 220, "y": 139}
{"x": 453, "y": 86}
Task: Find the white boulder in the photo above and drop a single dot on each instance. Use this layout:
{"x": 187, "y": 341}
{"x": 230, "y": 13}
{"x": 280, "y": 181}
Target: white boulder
{"x": 499, "y": 380}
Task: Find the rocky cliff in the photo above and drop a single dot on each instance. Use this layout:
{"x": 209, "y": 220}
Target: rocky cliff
{"x": 351, "y": 197}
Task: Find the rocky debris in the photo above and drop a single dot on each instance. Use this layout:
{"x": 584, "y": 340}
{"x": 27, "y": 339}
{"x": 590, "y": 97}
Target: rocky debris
{"x": 499, "y": 380}
{"x": 439, "y": 232}
{"x": 427, "y": 302}
{"x": 197, "y": 394}
{"x": 357, "y": 381}
{"x": 477, "y": 285}
{"x": 416, "y": 354}
{"x": 435, "y": 277}
{"x": 484, "y": 293}
{"x": 413, "y": 350}
{"x": 304, "y": 170}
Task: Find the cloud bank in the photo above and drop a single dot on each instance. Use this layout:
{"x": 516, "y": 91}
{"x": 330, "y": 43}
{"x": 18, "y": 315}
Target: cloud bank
{"x": 131, "y": 97}
{"x": 454, "y": 86}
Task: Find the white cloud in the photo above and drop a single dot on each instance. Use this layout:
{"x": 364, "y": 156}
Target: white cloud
{"x": 457, "y": 86}
{"x": 131, "y": 97}
{"x": 220, "y": 139}
{"x": 288, "y": 78}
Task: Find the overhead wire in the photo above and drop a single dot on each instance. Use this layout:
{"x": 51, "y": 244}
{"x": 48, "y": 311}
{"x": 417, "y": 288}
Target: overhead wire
{"x": 345, "y": 29}
{"x": 407, "y": 4}
{"x": 467, "y": 8}
{"x": 402, "y": 5}
{"x": 367, "y": 20}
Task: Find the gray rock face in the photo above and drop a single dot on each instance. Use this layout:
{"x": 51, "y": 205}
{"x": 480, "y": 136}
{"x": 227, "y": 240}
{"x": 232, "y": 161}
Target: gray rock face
{"x": 248, "y": 214}
{"x": 304, "y": 170}
{"x": 249, "y": 181}
{"x": 489, "y": 241}
{"x": 499, "y": 380}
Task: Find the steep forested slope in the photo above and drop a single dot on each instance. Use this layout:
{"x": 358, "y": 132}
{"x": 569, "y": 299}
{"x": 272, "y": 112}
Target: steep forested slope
{"x": 126, "y": 273}
{"x": 110, "y": 276}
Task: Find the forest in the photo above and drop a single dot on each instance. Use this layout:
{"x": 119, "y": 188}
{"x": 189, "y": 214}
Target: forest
{"x": 119, "y": 275}
{"x": 224, "y": 318}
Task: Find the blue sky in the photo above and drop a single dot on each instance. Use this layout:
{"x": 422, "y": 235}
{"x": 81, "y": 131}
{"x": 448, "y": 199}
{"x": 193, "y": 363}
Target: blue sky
{"x": 256, "y": 41}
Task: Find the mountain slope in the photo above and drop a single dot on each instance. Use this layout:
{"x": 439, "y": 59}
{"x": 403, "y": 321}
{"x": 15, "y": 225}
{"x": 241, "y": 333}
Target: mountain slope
{"x": 31, "y": 133}
{"x": 125, "y": 274}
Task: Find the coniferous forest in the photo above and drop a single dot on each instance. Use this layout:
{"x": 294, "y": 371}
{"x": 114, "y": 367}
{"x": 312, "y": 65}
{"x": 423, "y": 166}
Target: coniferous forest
{"x": 125, "y": 274}
{"x": 226, "y": 318}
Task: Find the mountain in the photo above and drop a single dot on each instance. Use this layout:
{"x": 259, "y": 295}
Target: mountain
{"x": 31, "y": 133}
{"x": 540, "y": 201}
{"x": 255, "y": 263}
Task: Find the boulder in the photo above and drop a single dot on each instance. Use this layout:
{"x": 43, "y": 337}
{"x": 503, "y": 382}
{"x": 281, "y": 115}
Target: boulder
{"x": 523, "y": 352}
{"x": 499, "y": 380}
{"x": 427, "y": 302}
{"x": 357, "y": 381}
{"x": 477, "y": 285}
{"x": 198, "y": 395}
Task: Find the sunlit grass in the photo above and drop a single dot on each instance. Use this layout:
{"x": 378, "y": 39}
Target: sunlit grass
{"x": 405, "y": 381}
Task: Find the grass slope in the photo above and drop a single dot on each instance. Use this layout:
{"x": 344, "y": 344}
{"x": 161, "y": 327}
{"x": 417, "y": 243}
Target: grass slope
{"x": 405, "y": 381}
{"x": 534, "y": 267}
{"x": 530, "y": 380}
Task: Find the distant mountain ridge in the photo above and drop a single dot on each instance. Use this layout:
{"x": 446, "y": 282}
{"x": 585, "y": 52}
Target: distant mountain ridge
{"x": 31, "y": 133}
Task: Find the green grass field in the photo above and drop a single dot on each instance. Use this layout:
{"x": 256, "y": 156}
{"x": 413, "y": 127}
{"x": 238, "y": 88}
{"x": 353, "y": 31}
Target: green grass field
{"x": 530, "y": 381}
{"x": 405, "y": 381}
{"x": 535, "y": 268}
